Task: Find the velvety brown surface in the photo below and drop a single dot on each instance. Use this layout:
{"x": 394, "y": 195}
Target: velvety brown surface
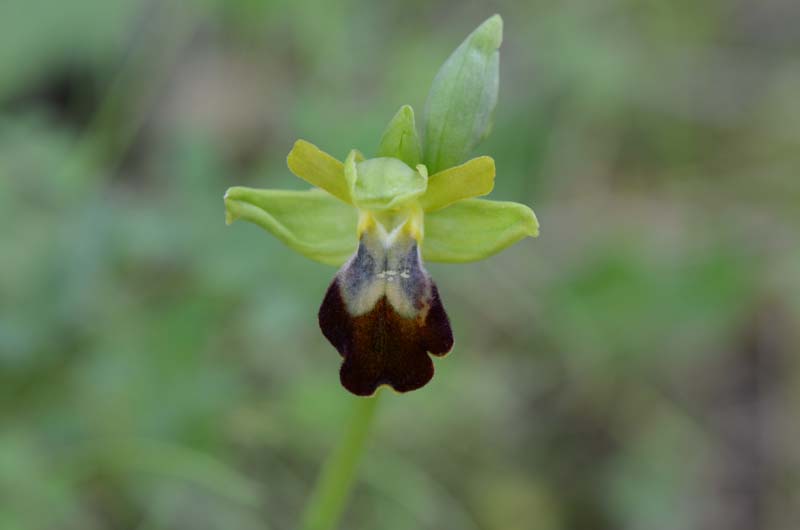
{"x": 381, "y": 347}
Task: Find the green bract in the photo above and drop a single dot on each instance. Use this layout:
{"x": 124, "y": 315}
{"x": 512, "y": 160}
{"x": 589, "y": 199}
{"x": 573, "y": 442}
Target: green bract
{"x": 379, "y": 218}
{"x": 458, "y": 113}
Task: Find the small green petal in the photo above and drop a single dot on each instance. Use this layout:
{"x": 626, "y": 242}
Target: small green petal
{"x": 400, "y": 139}
{"x": 458, "y": 112}
{"x": 474, "y": 229}
{"x": 471, "y": 179}
{"x": 319, "y": 169}
{"x": 312, "y": 222}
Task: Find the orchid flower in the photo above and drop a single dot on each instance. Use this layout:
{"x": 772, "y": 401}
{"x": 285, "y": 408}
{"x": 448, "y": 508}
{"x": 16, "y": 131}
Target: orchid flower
{"x": 378, "y": 218}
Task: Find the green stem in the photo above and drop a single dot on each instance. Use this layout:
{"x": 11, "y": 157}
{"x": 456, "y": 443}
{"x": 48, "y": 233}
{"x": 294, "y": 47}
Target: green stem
{"x": 333, "y": 486}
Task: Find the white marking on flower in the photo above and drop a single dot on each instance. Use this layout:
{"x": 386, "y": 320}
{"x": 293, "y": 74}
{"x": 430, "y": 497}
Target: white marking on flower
{"x": 389, "y": 275}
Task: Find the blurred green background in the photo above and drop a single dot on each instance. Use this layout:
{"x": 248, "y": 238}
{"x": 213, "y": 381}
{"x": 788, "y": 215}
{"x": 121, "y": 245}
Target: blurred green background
{"x": 633, "y": 368}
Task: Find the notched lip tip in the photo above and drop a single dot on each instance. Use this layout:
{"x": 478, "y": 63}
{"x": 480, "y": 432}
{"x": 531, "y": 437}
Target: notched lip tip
{"x": 366, "y": 396}
{"x": 371, "y": 394}
{"x": 389, "y": 387}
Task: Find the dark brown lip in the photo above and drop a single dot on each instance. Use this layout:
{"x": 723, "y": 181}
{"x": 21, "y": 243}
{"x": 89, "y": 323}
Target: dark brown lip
{"x": 381, "y": 347}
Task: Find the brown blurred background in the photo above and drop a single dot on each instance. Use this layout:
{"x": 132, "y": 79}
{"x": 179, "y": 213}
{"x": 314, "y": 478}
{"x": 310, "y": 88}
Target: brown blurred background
{"x": 633, "y": 368}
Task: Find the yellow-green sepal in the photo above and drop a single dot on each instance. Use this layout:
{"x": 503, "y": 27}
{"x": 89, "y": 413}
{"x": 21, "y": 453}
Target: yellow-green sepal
{"x": 474, "y": 178}
{"x": 312, "y": 222}
{"x": 400, "y": 139}
{"x": 319, "y": 169}
{"x": 474, "y": 229}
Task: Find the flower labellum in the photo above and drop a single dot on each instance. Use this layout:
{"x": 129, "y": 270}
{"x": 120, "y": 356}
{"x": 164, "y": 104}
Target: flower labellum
{"x": 378, "y": 218}
{"x": 383, "y": 312}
